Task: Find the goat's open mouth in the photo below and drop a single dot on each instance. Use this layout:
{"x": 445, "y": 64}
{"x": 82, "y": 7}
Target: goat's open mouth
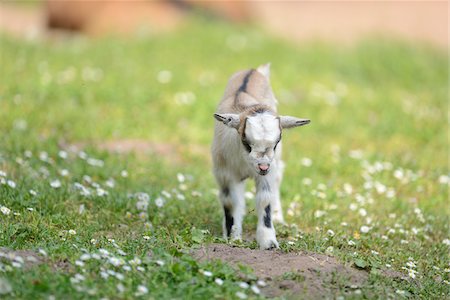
{"x": 263, "y": 172}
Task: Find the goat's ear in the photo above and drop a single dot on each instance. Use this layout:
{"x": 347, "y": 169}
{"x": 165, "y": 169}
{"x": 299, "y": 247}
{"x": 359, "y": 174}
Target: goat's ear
{"x": 231, "y": 120}
{"x": 289, "y": 122}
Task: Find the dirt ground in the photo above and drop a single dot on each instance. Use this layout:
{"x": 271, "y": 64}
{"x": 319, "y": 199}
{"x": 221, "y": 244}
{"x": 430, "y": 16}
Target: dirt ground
{"x": 300, "y": 275}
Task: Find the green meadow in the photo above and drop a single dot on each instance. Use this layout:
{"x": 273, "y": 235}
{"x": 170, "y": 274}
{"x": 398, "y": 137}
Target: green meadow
{"x": 105, "y": 171}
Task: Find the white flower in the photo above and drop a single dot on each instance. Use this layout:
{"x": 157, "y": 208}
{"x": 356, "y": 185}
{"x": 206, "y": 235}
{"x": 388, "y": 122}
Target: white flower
{"x": 319, "y": 213}
{"x": 218, "y": 281}
{"x": 355, "y": 154}
{"x": 85, "y": 256}
{"x": 55, "y": 184}
{"x": 64, "y": 172}
{"x": 115, "y": 261}
{"x": 243, "y": 285}
{"x": 5, "y": 210}
{"x": 241, "y": 295}
{"x": 146, "y": 237}
{"x": 362, "y": 212}
{"x": 390, "y": 193}
{"x": 261, "y": 283}
{"x": 307, "y": 181}
{"x": 307, "y": 162}
{"x": 160, "y": 262}
{"x": 43, "y": 156}
{"x": 446, "y": 242}
{"x": 11, "y": 184}
{"x": 120, "y": 288}
{"x": 180, "y": 177}
{"x": 444, "y": 179}
{"x": 207, "y": 273}
{"x": 72, "y": 232}
{"x": 364, "y": 229}
{"x": 166, "y": 194}
{"x": 412, "y": 273}
{"x": 143, "y": 196}
{"x": 353, "y": 206}
{"x": 110, "y": 183}
{"x": 79, "y": 263}
{"x": 330, "y": 232}
{"x": 62, "y": 154}
{"x": 127, "y": 268}
{"x": 351, "y": 243}
{"x": 2, "y": 173}
{"x": 159, "y": 202}
{"x": 164, "y": 76}
{"x": 141, "y": 290}
{"x": 32, "y": 192}
{"x": 95, "y": 162}
{"x": 256, "y": 289}
{"x": 348, "y": 188}
{"x": 124, "y": 173}
{"x": 142, "y": 205}
{"x": 101, "y": 192}
{"x": 135, "y": 261}
{"x": 329, "y": 250}
{"x": 103, "y": 252}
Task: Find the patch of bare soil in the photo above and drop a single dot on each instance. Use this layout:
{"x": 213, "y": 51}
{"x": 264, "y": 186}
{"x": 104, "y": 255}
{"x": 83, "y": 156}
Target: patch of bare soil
{"x": 297, "y": 275}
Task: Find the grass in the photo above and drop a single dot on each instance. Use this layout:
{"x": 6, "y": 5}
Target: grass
{"x": 375, "y": 157}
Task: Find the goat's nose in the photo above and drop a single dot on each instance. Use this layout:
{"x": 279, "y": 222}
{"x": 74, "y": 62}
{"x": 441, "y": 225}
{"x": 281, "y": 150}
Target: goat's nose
{"x": 263, "y": 167}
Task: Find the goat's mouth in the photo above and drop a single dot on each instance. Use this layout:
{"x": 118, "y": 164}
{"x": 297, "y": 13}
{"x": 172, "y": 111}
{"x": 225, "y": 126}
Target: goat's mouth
{"x": 263, "y": 169}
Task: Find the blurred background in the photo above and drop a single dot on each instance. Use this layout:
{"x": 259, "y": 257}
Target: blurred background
{"x": 340, "y": 21}
{"x": 147, "y": 75}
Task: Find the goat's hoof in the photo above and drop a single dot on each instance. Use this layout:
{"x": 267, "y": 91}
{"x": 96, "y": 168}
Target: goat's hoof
{"x": 269, "y": 245}
{"x": 266, "y": 238}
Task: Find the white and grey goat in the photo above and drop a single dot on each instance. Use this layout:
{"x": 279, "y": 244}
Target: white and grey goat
{"x": 247, "y": 144}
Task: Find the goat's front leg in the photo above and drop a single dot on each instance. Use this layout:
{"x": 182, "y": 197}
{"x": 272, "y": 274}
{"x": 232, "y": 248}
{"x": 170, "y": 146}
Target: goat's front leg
{"x": 233, "y": 201}
{"x": 266, "y": 191}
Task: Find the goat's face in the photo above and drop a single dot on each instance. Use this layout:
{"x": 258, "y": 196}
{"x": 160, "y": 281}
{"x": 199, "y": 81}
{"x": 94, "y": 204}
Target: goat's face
{"x": 260, "y": 137}
{"x": 260, "y": 134}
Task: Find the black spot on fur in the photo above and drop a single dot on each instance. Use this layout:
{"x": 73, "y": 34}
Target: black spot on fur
{"x": 229, "y": 221}
{"x": 243, "y": 87}
{"x": 226, "y": 191}
{"x": 267, "y": 217}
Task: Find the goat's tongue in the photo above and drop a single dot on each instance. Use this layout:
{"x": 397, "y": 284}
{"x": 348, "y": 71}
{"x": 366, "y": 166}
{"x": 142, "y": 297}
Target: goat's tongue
{"x": 263, "y": 167}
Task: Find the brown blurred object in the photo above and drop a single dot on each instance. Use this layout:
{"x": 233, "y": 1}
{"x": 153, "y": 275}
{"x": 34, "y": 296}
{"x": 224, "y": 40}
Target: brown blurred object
{"x": 347, "y": 21}
{"x": 125, "y": 16}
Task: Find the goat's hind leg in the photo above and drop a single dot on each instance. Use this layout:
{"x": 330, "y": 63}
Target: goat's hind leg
{"x": 277, "y": 211}
{"x": 233, "y": 202}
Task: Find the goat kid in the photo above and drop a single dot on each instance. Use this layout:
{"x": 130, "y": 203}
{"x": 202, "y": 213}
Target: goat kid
{"x": 247, "y": 144}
